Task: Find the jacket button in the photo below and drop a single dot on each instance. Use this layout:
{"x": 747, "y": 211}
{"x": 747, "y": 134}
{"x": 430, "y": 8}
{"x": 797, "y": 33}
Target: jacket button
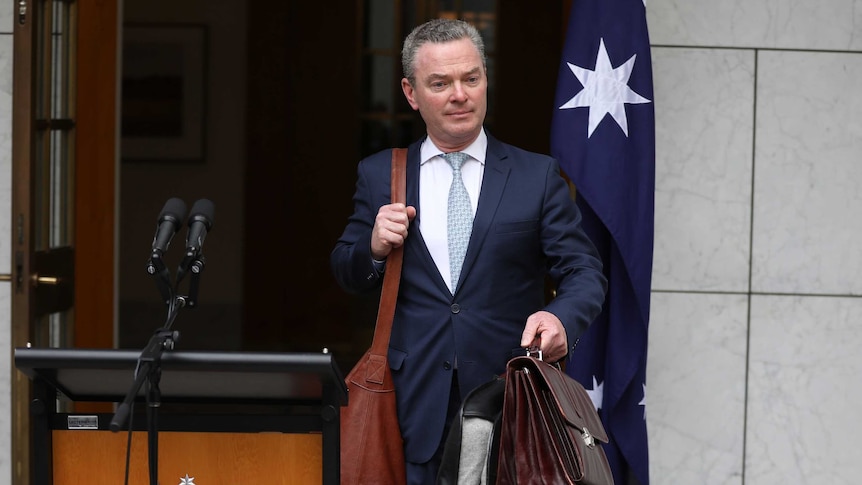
{"x": 455, "y": 308}
{"x": 447, "y": 365}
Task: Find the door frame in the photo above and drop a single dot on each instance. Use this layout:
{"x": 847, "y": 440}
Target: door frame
{"x": 93, "y": 106}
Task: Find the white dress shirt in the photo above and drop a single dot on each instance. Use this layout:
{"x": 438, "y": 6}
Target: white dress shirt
{"x": 435, "y": 177}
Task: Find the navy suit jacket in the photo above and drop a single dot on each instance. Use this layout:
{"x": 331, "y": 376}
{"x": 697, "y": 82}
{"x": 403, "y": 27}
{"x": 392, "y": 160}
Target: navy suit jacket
{"x": 527, "y": 227}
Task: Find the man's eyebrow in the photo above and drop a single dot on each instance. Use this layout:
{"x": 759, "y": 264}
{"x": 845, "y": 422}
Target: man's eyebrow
{"x": 436, "y": 76}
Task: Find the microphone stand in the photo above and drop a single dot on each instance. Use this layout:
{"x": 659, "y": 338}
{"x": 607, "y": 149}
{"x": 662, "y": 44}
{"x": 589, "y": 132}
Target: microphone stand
{"x": 193, "y": 263}
{"x": 149, "y": 370}
{"x": 149, "y": 363}
{"x": 156, "y": 268}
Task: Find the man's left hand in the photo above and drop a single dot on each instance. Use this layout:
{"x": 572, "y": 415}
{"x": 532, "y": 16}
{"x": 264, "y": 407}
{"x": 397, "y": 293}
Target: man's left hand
{"x": 545, "y": 330}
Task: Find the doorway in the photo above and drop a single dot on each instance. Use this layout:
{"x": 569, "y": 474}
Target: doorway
{"x": 288, "y": 102}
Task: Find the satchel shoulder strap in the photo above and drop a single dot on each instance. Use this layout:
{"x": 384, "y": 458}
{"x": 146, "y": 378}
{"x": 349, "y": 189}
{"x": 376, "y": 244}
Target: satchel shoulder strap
{"x": 392, "y": 278}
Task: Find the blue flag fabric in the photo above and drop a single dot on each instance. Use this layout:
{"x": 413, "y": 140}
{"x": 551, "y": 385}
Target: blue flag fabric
{"x": 603, "y": 134}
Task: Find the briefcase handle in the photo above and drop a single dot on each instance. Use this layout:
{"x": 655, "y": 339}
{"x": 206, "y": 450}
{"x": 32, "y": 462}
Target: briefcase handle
{"x": 536, "y": 352}
{"x": 533, "y": 352}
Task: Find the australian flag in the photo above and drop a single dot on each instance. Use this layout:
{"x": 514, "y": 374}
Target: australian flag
{"x": 603, "y": 134}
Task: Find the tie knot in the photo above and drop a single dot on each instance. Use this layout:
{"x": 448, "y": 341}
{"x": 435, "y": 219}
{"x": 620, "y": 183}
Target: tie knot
{"x": 456, "y": 159}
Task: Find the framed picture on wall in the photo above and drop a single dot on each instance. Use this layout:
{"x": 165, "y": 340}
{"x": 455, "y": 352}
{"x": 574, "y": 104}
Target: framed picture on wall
{"x": 163, "y": 104}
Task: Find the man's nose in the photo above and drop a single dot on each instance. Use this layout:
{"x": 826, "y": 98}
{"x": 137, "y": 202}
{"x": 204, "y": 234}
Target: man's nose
{"x": 459, "y": 93}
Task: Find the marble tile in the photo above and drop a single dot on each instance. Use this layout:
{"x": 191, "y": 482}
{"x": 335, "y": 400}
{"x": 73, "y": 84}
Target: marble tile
{"x": 5, "y": 153}
{"x": 783, "y": 24}
{"x": 5, "y": 381}
{"x": 704, "y": 102}
{"x": 808, "y": 174}
{"x": 696, "y": 388}
{"x": 5, "y": 249}
{"x": 7, "y": 16}
{"x": 803, "y": 391}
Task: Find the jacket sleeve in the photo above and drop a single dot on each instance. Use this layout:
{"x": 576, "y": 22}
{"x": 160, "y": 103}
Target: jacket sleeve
{"x": 351, "y": 261}
{"x": 574, "y": 265}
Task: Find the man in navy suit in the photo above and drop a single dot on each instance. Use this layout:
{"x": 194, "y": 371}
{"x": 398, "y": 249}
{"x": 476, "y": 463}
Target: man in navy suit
{"x": 449, "y": 337}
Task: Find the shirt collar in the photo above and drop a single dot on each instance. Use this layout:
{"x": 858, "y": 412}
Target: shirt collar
{"x": 477, "y": 149}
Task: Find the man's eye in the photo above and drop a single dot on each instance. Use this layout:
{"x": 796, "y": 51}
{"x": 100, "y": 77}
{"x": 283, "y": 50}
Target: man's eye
{"x": 438, "y": 85}
{"x": 473, "y": 80}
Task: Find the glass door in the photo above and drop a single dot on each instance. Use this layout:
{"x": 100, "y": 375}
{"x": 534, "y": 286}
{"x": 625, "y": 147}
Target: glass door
{"x": 43, "y": 165}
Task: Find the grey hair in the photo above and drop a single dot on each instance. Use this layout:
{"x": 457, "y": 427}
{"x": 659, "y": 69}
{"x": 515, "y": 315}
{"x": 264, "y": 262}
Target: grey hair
{"x": 437, "y": 31}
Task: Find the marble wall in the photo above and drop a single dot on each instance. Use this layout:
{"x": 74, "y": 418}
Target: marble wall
{"x": 753, "y": 363}
{"x": 5, "y": 238}
{"x": 753, "y": 370}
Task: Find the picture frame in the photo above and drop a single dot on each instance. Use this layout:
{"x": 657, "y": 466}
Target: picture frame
{"x": 164, "y": 101}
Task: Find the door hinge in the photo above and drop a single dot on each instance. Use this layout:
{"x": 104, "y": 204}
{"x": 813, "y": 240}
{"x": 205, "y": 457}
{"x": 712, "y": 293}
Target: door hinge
{"x": 22, "y": 11}
{"x": 19, "y": 272}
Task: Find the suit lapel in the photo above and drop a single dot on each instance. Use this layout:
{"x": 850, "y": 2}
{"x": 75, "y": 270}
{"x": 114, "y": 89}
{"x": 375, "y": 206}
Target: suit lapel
{"x": 418, "y": 246}
{"x": 497, "y": 168}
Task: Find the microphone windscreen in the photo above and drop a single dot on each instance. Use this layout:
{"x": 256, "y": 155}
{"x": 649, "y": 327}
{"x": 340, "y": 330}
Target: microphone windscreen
{"x": 203, "y": 210}
{"x": 174, "y": 207}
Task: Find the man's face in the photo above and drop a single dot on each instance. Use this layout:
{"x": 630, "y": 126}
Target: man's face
{"x": 450, "y": 92}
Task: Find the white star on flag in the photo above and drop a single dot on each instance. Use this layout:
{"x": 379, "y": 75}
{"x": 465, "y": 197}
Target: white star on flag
{"x": 606, "y": 90}
{"x": 596, "y": 394}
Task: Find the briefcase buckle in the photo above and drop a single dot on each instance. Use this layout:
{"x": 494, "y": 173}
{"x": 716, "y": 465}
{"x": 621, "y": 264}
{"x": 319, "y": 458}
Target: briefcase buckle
{"x": 588, "y": 438}
{"x": 534, "y": 352}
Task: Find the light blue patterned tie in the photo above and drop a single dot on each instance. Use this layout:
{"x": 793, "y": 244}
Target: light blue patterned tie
{"x": 459, "y": 221}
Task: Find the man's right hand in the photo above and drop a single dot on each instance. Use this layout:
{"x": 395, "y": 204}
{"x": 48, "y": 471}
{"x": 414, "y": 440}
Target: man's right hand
{"x": 390, "y": 229}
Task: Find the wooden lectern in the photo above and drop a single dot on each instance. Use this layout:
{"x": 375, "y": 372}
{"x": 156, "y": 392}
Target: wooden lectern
{"x": 226, "y": 417}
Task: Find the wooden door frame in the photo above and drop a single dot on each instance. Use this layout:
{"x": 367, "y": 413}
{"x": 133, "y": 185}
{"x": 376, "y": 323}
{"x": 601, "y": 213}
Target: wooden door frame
{"x": 22, "y": 307}
{"x": 96, "y": 178}
{"x": 94, "y": 110}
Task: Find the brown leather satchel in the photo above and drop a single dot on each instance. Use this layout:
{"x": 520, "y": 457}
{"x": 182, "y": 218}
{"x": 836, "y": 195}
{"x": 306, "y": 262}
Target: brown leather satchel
{"x": 372, "y": 450}
{"x": 551, "y": 433}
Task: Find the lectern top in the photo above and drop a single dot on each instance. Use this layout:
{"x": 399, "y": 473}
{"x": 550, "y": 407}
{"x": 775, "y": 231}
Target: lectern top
{"x": 187, "y": 376}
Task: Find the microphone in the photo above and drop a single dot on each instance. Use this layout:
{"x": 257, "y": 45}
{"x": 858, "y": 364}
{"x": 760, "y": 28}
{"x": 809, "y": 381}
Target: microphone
{"x": 169, "y": 222}
{"x": 200, "y": 222}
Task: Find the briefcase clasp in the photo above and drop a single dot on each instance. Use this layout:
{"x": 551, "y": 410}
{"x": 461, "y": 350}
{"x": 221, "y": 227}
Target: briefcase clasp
{"x": 534, "y": 352}
{"x": 588, "y": 438}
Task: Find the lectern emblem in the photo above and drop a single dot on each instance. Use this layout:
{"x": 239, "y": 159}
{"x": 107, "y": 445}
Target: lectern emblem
{"x": 186, "y": 480}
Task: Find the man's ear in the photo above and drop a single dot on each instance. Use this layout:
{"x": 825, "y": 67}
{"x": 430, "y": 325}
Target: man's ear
{"x": 409, "y": 92}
